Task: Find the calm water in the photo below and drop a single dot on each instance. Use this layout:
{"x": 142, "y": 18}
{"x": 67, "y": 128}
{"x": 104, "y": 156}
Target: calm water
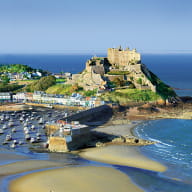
{"x": 174, "y": 69}
{"x": 174, "y": 137}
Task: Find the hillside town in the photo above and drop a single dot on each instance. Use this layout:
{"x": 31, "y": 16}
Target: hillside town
{"x": 41, "y": 97}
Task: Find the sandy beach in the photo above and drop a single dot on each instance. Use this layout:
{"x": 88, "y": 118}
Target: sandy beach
{"x": 86, "y": 178}
{"x": 81, "y": 179}
{"x": 122, "y": 155}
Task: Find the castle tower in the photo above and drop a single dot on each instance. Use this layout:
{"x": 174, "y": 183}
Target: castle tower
{"x": 120, "y": 57}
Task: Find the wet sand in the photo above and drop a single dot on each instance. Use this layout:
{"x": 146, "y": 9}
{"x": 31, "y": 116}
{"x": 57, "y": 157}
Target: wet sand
{"x": 10, "y": 157}
{"x": 81, "y": 179}
{"x": 27, "y": 165}
{"x": 122, "y": 155}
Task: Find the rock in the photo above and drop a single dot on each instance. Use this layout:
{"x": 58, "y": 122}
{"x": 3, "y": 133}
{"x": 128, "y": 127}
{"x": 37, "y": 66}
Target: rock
{"x": 100, "y": 144}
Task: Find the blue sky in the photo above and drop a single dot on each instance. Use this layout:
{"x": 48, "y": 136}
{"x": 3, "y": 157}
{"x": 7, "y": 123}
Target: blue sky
{"x": 75, "y": 26}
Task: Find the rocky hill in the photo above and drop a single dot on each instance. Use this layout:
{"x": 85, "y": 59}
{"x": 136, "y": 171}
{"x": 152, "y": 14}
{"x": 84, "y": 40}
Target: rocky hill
{"x": 121, "y": 68}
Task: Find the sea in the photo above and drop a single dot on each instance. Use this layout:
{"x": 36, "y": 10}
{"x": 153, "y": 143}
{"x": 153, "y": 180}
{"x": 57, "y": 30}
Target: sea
{"x": 173, "y": 136}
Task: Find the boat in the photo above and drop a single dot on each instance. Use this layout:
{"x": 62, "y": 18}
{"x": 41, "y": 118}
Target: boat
{"x": 38, "y": 138}
{"x": 13, "y": 130}
{"x": 10, "y": 124}
{"x": 13, "y": 145}
{"x": 49, "y": 106}
{"x": 40, "y": 121}
{"x": 1, "y": 131}
{"x": 21, "y": 119}
{"x": 32, "y": 140}
{"x": 8, "y": 137}
{"x": 4, "y": 126}
{"x": 20, "y": 142}
{"x": 26, "y": 131}
{"x": 15, "y": 141}
{"x": 4, "y": 142}
{"x": 27, "y": 137}
{"x": 32, "y": 127}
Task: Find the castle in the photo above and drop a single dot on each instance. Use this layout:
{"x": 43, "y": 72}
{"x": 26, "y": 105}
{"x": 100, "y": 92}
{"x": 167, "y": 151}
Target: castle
{"x": 124, "y": 65}
{"x": 120, "y": 57}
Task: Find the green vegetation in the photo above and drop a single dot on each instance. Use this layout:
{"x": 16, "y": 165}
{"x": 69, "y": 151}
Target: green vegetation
{"x": 99, "y": 58}
{"x": 139, "y": 81}
{"x": 61, "y": 80}
{"x": 15, "y": 68}
{"x": 63, "y": 89}
{"x": 125, "y": 96}
{"x": 9, "y": 87}
{"x": 41, "y": 85}
{"x": 118, "y": 72}
{"x": 5, "y": 79}
{"x": 89, "y": 93}
{"x": 163, "y": 90}
{"x": 67, "y": 89}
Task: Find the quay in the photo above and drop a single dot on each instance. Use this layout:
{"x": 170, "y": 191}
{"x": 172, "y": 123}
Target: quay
{"x": 73, "y": 132}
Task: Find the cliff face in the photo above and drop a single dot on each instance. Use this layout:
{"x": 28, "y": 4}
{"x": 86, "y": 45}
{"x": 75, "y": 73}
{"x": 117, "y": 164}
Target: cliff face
{"x": 121, "y": 65}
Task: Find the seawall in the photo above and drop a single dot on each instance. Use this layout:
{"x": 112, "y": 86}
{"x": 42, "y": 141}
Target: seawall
{"x": 101, "y": 113}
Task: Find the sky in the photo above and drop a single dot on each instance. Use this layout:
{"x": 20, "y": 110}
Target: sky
{"x": 80, "y": 26}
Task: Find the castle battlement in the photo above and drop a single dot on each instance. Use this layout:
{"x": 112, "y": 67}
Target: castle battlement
{"x": 123, "y": 57}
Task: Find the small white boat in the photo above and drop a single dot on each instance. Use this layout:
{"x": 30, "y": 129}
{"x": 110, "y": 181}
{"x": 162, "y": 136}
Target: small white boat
{"x": 13, "y": 145}
{"x": 4, "y": 126}
{"x": 5, "y": 142}
{"x": 8, "y": 137}
{"x": 15, "y": 141}
{"x": 38, "y": 138}
{"x": 1, "y": 131}
{"x": 38, "y": 134}
{"x": 13, "y": 130}
{"x": 25, "y": 128}
{"x": 20, "y": 142}
{"x": 10, "y": 124}
{"x": 40, "y": 121}
{"x": 21, "y": 118}
{"x": 27, "y": 137}
{"x": 32, "y": 140}
{"x": 32, "y": 127}
{"x": 26, "y": 131}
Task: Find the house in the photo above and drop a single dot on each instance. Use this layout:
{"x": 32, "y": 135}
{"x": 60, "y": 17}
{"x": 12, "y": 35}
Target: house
{"x": 5, "y": 96}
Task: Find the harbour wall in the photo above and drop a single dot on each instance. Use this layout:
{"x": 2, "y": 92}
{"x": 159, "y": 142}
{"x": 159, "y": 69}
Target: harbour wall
{"x": 101, "y": 113}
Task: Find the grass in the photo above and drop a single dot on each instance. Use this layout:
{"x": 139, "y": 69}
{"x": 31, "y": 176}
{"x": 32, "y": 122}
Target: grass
{"x": 67, "y": 89}
{"x": 63, "y": 89}
{"x": 164, "y": 90}
{"x": 61, "y": 80}
{"x": 23, "y": 82}
{"x": 118, "y": 73}
{"x": 125, "y": 96}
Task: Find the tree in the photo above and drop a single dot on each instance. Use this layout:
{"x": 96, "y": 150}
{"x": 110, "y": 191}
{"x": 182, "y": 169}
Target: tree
{"x": 5, "y": 79}
{"x": 139, "y": 81}
{"x": 42, "y": 84}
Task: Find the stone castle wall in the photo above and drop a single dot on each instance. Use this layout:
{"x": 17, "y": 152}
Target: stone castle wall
{"x": 122, "y": 57}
